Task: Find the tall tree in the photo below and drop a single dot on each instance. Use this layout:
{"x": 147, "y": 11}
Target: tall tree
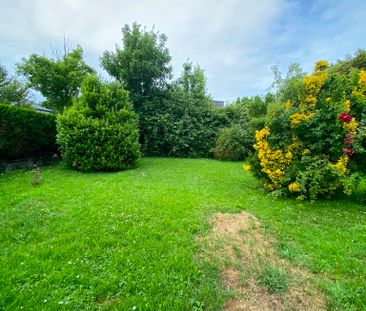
{"x": 11, "y": 90}
{"x": 289, "y": 87}
{"x": 58, "y": 80}
{"x": 193, "y": 83}
{"x": 142, "y": 64}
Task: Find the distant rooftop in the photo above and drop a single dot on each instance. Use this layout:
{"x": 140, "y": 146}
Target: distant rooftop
{"x": 41, "y": 108}
{"x": 219, "y": 103}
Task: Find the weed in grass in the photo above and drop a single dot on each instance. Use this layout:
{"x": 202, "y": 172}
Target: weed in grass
{"x": 274, "y": 279}
{"x": 237, "y": 251}
{"x": 288, "y": 252}
{"x": 36, "y": 175}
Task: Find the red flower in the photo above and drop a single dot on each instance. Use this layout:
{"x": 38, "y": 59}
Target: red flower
{"x": 345, "y": 117}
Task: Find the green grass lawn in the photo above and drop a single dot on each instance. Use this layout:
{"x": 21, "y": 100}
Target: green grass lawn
{"x": 128, "y": 240}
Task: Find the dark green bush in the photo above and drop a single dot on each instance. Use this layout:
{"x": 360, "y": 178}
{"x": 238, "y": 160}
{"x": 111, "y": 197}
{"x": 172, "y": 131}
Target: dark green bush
{"x": 99, "y": 132}
{"x": 250, "y": 114}
{"x": 26, "y": 133}
{"x": 232, "y": 144}
{"x": 188, "y": 132}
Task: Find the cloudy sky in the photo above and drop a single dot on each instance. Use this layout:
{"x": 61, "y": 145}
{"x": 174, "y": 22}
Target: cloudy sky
{"x": 235, "y": 41}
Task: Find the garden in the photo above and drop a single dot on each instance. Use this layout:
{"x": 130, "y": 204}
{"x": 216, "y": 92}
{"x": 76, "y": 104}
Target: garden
{"x": 163, "y": 201}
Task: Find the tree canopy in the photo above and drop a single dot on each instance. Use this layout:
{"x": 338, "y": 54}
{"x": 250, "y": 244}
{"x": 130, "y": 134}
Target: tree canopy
{"x": 11, "y": 90}
{"x": 142, "y": 64}
{"x": 58, "y": 80}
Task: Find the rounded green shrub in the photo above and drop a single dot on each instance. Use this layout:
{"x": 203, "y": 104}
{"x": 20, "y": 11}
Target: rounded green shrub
{"x": 232, "y": 144}
{"x": 99, "y": 131}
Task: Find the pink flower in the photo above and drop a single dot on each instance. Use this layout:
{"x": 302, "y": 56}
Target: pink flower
{"x": 349, "y": 151}
{"x": 348, "y": 139}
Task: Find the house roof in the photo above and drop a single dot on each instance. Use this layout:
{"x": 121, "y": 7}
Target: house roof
{"x": 42, "y": 109}
{"x": 219, "y": 103}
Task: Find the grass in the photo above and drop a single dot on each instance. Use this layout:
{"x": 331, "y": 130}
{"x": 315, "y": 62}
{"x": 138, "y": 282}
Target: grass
{"x": 274, "y": 279}
{"x": 128, "y": 240}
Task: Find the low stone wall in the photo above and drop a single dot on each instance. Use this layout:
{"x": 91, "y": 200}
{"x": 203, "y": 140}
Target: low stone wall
{"x": 27, "y": 163}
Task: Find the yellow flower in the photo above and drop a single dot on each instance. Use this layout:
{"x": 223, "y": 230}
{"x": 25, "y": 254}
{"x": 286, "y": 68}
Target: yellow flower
{"x": 268, "y": 185}
{"x": 298, "y": 118}
{"x": 294, "y": 187}
{"x": 347, "y": 105}
{"x": 259, "y": 135}
{"x": 277, "y": 174}
{"x": 362, "y": 80}
{"x": 273, "y": 162}
{"x": 321, "y": 65}
{"x": 341, "y": 165}
{"x": 288, "y": 104}
{"x": 288, "y": 156}
{"x": 360, "y": 90}
{"x": 247, "y": 167}
{"x": 313, "y": 84}
{"x": 350, "y": 126}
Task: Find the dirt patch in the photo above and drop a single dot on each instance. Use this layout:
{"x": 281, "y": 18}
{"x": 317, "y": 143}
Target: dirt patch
{"x": 242, "y": 232}
{"x": 230, "y": 277}
{"x": 233, "y": 224}
{"x": 241, "y": 248}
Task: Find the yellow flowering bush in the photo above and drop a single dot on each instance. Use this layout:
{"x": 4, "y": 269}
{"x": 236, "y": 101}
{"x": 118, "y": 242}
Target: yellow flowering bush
{"x": 308, "y": 147}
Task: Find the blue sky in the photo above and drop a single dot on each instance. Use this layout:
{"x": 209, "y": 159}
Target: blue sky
{"x": 235, "y": 42}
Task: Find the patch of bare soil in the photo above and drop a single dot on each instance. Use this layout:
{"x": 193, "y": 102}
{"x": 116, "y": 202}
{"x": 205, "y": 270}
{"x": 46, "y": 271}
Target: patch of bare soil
{"x": 237, "y": 241}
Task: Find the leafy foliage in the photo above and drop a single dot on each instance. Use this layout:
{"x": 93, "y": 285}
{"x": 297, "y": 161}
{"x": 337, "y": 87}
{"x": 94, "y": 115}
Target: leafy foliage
{"x": 237, "y": 112}
{"x": 11, "y": 90}
{"x": 58, "y": 80}
{"x": 231, "y": 144}
{"x": 185, "y": 123}
{"x": 26, "y": 133}
{"x": 344, "y": 67}
{"x": 99, "y": 132}
{"x": 245, "y": 116}
{"x": 289, "y": 87}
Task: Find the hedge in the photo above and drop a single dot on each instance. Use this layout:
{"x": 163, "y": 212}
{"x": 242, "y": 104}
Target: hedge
{"x": 26, "y": 133}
